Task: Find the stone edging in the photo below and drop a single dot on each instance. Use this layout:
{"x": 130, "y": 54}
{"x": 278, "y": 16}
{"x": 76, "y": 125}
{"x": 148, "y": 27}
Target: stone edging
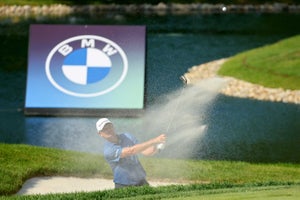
{"x": 239, "y": 88}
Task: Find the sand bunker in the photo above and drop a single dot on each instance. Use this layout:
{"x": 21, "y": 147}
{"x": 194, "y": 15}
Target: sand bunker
{"x": 47, "y": 185}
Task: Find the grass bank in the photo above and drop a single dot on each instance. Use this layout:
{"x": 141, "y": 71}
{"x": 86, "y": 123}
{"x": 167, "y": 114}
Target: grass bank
{"x": 189, "y": 192}
{"x": 275, "y": 66}
{"x": 20, "y": 162}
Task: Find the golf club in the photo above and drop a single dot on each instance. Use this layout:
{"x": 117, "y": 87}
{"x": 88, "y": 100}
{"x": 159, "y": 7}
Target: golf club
{"x": 161, "y": 146}
{"x": 184, "y": 81}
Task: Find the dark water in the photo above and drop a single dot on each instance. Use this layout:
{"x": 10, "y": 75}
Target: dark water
{"x": 240, "y": 129}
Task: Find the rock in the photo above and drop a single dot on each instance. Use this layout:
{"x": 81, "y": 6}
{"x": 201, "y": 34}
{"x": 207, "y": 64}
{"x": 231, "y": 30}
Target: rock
{"x": 240, "y": 88}
{"x": 160, "y": 8}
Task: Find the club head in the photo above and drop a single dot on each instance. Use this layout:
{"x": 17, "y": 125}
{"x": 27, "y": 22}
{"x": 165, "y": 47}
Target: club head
{"x": 183, "y": 79}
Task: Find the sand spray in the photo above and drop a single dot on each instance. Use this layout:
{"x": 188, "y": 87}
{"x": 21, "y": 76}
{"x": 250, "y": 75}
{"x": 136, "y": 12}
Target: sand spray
{"x": 182, "y": 117}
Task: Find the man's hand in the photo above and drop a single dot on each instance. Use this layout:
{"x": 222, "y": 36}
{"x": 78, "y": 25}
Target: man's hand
{"x": 147, "y": 148}
{"x": 160, "y": 139}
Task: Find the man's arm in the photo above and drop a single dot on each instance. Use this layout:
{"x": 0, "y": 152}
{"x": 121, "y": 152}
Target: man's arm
{"x": 139, "y": 148}
{"x": 150, "y": 151}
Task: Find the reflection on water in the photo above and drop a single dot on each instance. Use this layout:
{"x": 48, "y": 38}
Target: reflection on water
{"x": 239, "y": 129}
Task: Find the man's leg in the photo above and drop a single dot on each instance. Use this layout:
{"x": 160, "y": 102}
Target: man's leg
{"x": 143, "y": 182}
{"x": 117, "y": 186}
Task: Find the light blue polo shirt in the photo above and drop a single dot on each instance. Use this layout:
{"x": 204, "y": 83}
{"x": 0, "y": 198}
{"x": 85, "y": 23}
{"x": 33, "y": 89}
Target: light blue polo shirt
{"x": 128, "y": 170}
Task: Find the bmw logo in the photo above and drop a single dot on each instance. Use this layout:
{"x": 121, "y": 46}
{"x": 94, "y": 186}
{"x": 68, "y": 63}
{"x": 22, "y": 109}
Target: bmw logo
{"x": 86, "y": 66}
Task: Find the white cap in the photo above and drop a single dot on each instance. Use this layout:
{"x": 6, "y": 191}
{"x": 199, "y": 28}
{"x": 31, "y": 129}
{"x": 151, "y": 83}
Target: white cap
{"x": 101, "y": 123}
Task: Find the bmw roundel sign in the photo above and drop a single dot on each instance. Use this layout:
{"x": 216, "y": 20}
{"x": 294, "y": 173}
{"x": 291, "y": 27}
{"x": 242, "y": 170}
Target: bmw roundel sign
{"x": 75, "y": 68}
{"x": 86, "y": 65}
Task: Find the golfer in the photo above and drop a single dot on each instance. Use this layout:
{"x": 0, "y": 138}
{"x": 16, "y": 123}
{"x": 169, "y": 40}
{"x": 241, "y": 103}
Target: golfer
{"x": 120, "y": 151}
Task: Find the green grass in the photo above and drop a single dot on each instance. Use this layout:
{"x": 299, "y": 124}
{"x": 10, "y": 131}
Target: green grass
{"x": 257, "y": 193}
{"x": 189, "y": 192}
{"x": 20, "y": 162}
{"x": 275, "y": 66}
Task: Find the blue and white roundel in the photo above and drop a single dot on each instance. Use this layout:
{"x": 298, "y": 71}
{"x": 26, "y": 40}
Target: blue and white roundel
{"x": 86, "y": 66}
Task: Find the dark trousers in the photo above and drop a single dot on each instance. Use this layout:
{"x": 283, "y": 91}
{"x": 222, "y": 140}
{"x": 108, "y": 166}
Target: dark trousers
{"x": 141, "y": 183}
